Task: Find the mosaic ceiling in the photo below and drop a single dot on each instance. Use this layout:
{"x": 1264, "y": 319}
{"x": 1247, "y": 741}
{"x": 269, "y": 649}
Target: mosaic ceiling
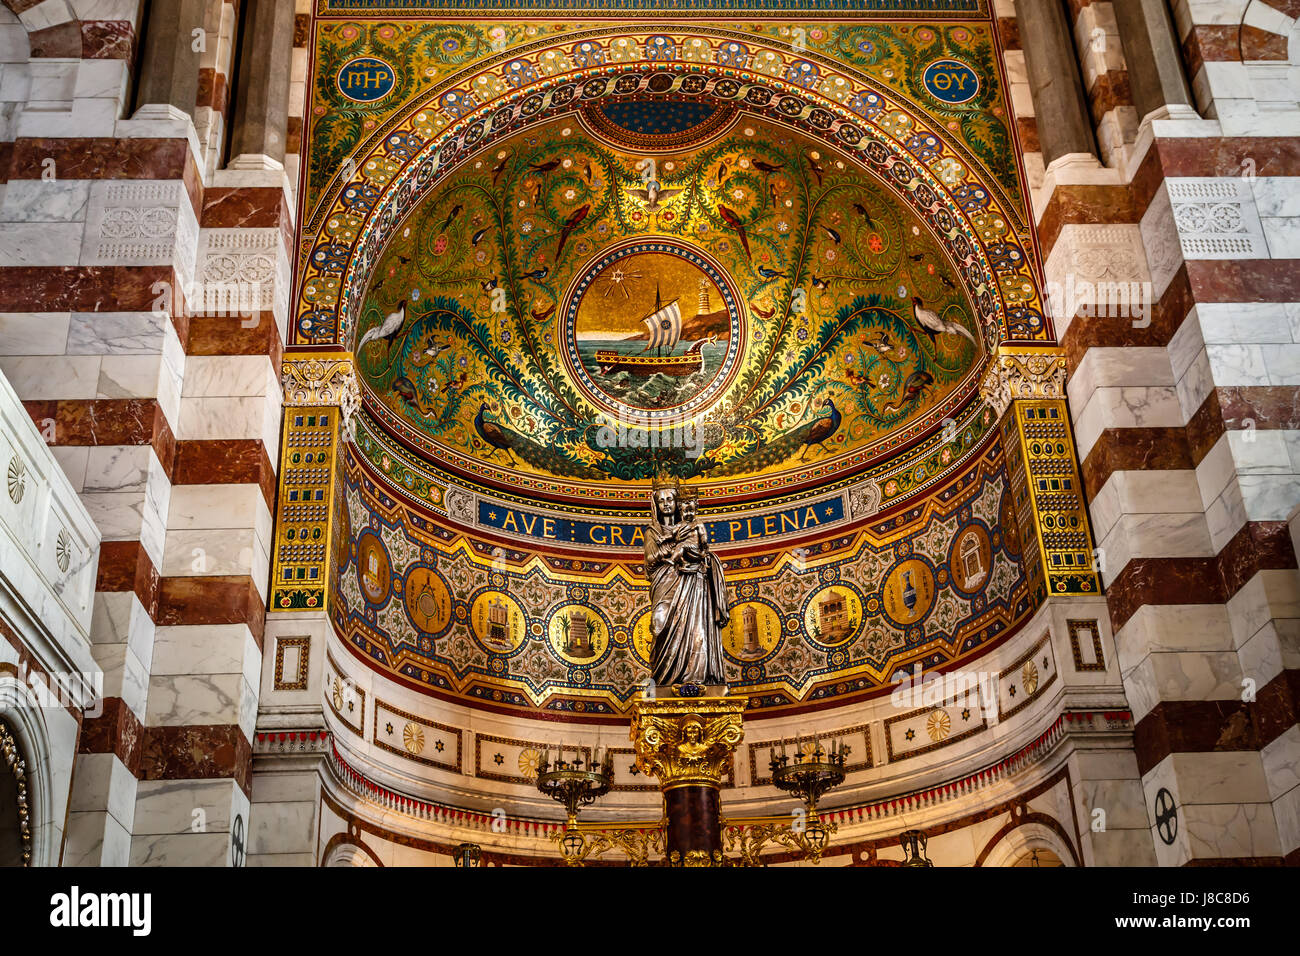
{"x": 770, "y": 258}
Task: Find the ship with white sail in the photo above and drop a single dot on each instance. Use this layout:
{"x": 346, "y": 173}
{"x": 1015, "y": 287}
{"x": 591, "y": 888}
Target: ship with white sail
{"x": 664, "y": 325}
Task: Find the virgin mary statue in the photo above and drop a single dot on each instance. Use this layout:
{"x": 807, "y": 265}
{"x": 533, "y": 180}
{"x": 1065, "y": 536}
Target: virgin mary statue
{"x": 688, "y": 594}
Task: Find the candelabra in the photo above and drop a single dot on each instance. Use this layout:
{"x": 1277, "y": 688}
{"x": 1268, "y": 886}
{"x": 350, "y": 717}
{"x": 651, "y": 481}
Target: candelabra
{"x": 468, "y": 855}
{"x": 808, "y": 775}
{"x": 914, "y": 842}
{"x": 573, "y": 786}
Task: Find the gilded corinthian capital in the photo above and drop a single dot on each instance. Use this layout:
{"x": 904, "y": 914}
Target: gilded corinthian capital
{"x": 319, "y": 379}
{"x": 1023, "y": 372}
{"x": 687, "y": 742}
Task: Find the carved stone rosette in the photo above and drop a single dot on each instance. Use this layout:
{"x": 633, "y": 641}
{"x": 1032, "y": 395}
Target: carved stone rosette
{"x": 687, "y": 741}
{"x": 1023, "y": 372}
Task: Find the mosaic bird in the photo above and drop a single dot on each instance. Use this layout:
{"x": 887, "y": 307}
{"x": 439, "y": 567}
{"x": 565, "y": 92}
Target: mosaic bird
{"x": 880, "y": 343}
{"x": 833, "y": 235}
{"x": 817, "y": 169}
{"x": 404, "y": 387}
{"x": 819, "y": 283}
{"x": 586, "y": 172}
{"x": 478, "y": 236}
{"x": 722, "y": 172}
{"x": 571, "y": 224}
{"x": 456, "y": 210}
{"x": 489, "y": 284}
{"x": 544, "y": 314}
{"x": 932, "y": 324}
{"x": 491, "y": 432}
{"x": 544, "y": 167}
{"x": 653, "y": 195}
{"x": 499, "y": 168}
{"x": 861, "y": 210}
{"x": 917, "y": 257}
{"x": 537, "y": 275}
{"x": 762, "y": 314}
{"x": 770, "y": 274}
{"x": 800, "y": 440}
{"x": 822, "y": 430}
{"x": 428, "y": 351}
{"x": 767, "y": 168}
{"x": 731, "y": 219}
{"x": 387, "y": 330}
{"x": 913, "y": 388}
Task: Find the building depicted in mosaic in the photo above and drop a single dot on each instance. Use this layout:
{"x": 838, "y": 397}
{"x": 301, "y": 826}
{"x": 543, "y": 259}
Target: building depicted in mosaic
{"x": 342, "y": 341}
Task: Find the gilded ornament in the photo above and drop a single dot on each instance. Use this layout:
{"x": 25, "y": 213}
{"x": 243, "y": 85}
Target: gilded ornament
{"x": 687, "y": 742}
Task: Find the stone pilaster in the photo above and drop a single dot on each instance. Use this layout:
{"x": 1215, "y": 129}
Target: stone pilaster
{"x": 1153, "y": 60}
{"x": 168, "y": 80}
{"x": 1060, "y": 102}
{"x": 260, "y": 127}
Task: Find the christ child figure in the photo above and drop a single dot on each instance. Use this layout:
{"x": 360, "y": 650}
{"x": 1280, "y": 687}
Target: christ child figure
{"x": 690, "y": 531}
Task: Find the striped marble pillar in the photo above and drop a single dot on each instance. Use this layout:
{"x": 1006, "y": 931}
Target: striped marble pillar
{"x": 1175, "y": 293}
{"x": 143, "y": 307}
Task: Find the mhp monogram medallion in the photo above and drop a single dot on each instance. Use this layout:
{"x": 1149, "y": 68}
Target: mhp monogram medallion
{"x": 366, "y": 79}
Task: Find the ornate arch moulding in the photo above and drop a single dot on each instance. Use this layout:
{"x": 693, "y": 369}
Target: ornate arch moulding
{"x": 1003, "y": 287}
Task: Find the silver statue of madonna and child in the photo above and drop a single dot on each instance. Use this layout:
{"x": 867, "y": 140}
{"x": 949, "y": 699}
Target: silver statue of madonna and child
{"x": 688, "y": 594}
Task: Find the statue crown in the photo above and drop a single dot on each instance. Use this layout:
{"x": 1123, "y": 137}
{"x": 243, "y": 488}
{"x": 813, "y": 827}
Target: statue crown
{"x": 664, "y": 480}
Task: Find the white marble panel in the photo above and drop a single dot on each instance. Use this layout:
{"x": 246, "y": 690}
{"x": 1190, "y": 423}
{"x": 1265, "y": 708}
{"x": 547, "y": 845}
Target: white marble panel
{"x": 104, "y": 783}
{"x": 34, "y": 333}
{"x": 230, "y": 375}
{"x": 72, "y": 459}
{"x": 1259, "y": 452}
{"x": 1127, "y": 407}
{"x": 118, "y": 333}
{"x": 1159, "y": 628}
{"x": 102, "y": 79}
{"x": 1238, "y": 364}
{"x": 1277, "y": 196}
{"x": 1242, "y": 323}
{"x": 1160, "y": 239}
{"x": 96, "y": 839}
{"x": 1282, "y": 363}
{"x": 44, "y": 200}
{"x": 141, "y": 222}
{"x": 1268, "y": 595}
{"x": 1269, "y": 497}
{"x": 37, "y": 377}
{"x": 1104, "y": 367}
{"x": 195, "y": 507}
{"x": 202, "y": 649}
{"x": 39, "y": 243}
{"x": 180, "y": 700}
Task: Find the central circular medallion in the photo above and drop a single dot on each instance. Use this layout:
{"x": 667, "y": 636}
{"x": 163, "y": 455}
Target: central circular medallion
{"x": 653, "y": 331}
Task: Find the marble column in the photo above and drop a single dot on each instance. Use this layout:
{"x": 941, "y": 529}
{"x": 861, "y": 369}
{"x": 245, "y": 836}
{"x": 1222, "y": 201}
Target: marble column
{"x": 1153, "y": 59}
{"x": 260, "y": 127}
{"x": 1060, "y": 101}
{"x": 169, "y": 63}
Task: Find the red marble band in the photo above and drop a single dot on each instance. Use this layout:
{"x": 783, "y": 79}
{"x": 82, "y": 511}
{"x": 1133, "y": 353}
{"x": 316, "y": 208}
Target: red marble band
{"x": 1213, "y": 726}
{"x": 1257, "y": 546}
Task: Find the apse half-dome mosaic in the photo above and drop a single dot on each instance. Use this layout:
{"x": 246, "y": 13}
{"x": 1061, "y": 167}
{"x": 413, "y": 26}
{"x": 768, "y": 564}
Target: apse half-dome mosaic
{"x": 564, "y": 308}
{"x": 777, "y": 276}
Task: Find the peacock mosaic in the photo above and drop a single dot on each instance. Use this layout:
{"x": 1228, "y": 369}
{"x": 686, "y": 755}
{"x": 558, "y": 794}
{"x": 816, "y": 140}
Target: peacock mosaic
{"x": 565, "y": 632}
